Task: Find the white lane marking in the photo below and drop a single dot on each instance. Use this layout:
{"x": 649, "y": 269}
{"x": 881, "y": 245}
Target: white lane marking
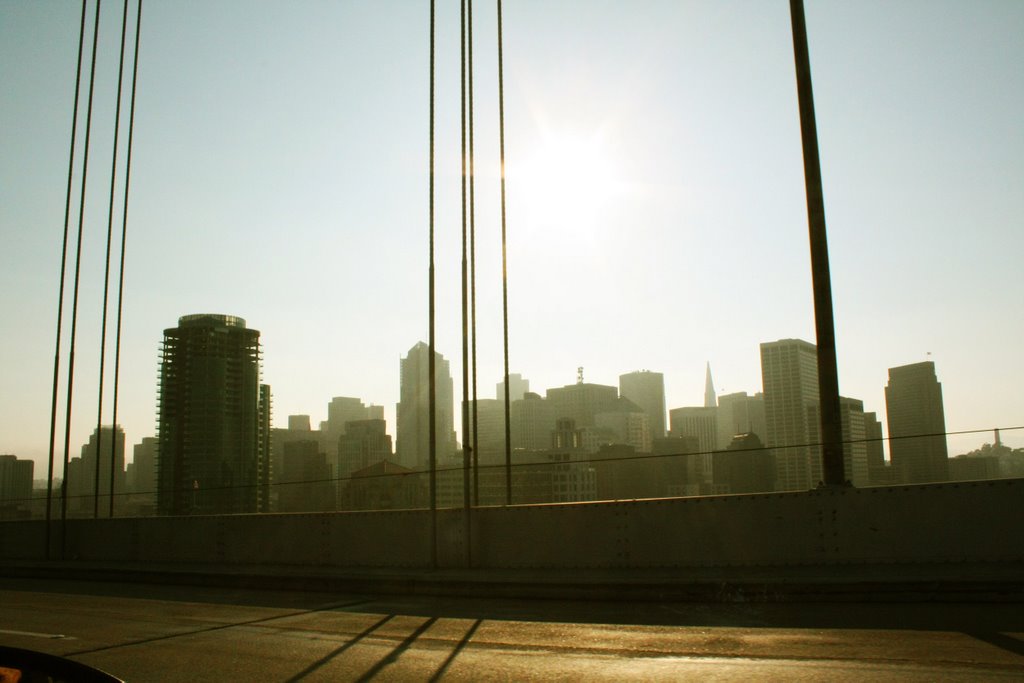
{"x": 31, "y": 634}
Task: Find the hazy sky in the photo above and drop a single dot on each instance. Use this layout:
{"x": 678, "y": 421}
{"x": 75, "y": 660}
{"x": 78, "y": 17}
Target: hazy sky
{"x": 656, "y": 211}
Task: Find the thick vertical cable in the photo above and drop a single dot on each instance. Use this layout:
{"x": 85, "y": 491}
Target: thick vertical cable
{"x": 431, "y": 380}
{"x": 504, "y": 264}
{"x": 466, "y": 449}
{"x": 60, "y": 290}
{"x": 124, "y": 236}
{"x": 472, "y": 257}
{"x": 106, "y": 282}
{"x": 828, "y": 374}
{"x": 78, "y": 270}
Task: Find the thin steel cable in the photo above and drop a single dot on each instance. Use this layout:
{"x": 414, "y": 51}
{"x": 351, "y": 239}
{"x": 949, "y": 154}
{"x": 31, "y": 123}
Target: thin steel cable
{"x": 472, "y": 258}
{"x": 466, "y": 449}
{"x": 60, "y": 290}
{"x": 504, "y": 264}
{"x": 431, "y": 381}
{"x": 124, "y": 237}
{"x": 106, "y": 280}
{"x": 78, "y": 270}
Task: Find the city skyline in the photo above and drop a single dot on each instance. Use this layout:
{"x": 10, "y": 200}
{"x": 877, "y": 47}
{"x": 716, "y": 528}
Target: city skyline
{"x": 696, "y": 252}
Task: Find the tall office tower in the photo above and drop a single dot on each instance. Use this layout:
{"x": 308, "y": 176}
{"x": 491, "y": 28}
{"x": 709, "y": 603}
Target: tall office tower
{"x": 15, "y": 486}
{"x": 745, "y": 466}
{"x": 141, "y": 475}
{"x": 213, "y": 424}
{"x": 789, "y": 375}
{"x": 531, "y": 421}
{"x": 878, "y": 472}
{"x": 855, "y": 448}
{"x": 913, "y": 407}
{"x": 739, "y": 413}
{"x": 305, "y": 483}
{"x": 517, "y": 387}
{"x": 582, "y": 401}
{"x": 264, "y": 436}
{"x": 700, "y": 423}
{"x": 82, "y": 471}
{"x": 364, "y": 443}
{"x": 299, "y": 423}
{"x": 647, "y": 390}
{"x": 413, "y": 411}
{"x": 490, "y": 413}
{"x": 628, "y": 426}
{"x": 710, "y": 400}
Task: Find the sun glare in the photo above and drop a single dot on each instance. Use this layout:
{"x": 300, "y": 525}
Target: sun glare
{"x": 567, "y": 182}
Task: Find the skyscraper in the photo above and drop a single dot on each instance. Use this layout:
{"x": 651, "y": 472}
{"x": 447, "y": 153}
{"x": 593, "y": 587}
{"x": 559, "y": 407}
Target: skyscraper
{"x": 517, "y": 387}
{"x": 647, "y": 390}
{"x": 917, "y": 424}
{"x": 789, "y": 375}
{"x": 700, "y": 423}
{"x": 15, "y": 486}
{"x": 739, "y": 413}
{"x": 82, "y": 471}
{"x": 710, "y": 399}
{"x": 213, "y": 425}
{"x": 413, "y": 410}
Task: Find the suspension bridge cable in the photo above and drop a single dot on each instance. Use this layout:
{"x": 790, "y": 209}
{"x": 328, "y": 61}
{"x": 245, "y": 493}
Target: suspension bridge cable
{"x": 472, "y": 257}
{"x": 124, "y": 236}
{"x": 466, "y": 449}
{"x": 63, "y": 269}
{"x": 504, "y": 265}
{"x": 431, "y": 381}
{"x": 106, "y": 278}
{"x": 78, "y": 268}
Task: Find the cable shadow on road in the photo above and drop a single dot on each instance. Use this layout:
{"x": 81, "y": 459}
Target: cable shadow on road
{"x": 210, "y": 629}
{"x": 455, "y": 653}
{"x": 393, "y": 656}
{"x": 337, "y": 651}
{"x": 1003, "y": 641}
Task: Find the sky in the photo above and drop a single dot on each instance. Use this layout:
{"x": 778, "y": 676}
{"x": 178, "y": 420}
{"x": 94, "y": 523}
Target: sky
{"x": 655, "y": 201}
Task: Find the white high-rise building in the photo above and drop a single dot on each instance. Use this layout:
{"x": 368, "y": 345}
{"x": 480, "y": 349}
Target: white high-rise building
{"x": 789, "y": 374}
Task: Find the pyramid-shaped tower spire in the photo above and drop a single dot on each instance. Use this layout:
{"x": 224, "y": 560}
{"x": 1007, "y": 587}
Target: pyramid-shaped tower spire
{"x": 710, "y": 400}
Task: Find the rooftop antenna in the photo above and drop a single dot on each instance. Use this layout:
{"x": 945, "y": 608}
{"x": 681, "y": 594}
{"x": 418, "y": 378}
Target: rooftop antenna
{"x": 579, "y": 375}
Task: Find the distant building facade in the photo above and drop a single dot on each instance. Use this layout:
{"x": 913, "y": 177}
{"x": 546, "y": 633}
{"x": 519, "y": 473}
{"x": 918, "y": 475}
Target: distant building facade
{"x": 213, "y": 420}
{"x": 745, "y": 466}
{"x": 305, "y": 483}
{"x": 917, "y": 424}
{"x": 647, "y": 390}
{"x": 739, "y": 413}
{"x": 364, "y": 443}
{"x": 82, "y": 475}
{"x": 413, "y": 410}
{"x": 15, "y": 487}
{"x": 789, "y": 376}
{"x": 701, "y": 424}
{"x": 517, "y": 387}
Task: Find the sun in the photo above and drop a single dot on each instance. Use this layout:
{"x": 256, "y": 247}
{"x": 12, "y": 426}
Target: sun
{"x": 567, "y": 182}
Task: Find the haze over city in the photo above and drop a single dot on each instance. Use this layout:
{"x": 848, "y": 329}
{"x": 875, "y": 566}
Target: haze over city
{"x": 656, "y": 211}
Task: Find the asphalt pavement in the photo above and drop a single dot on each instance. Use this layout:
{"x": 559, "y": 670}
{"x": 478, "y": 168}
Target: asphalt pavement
{"x": 147, "y": 632}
